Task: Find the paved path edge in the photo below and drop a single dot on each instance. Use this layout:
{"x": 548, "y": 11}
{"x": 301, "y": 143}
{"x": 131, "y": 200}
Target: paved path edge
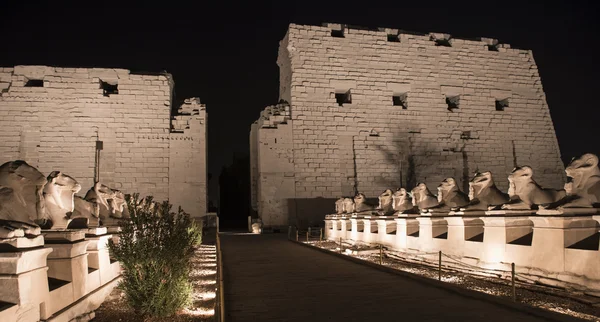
{"x": 538, "y": 312}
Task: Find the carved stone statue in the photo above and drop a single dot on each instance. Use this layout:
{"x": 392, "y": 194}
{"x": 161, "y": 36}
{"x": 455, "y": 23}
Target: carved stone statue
{"x": 58, "y": 195}
{"x": 583, "y": 184}
{"x": 525, "y": 193}
{"x": 385, "y": 203}
{"x": 339, "y": 206}
{"x": 484, "y": 194}
{"x": 422, "y": 198}
{"x": 449, "y": 196}
{"x": 348, "y": 205}
{"x": 111, "y": 203}
{"x": 402, "y": 201}
{"x": 361, "y": 204}
{"x": 21, "y": 196}
{"x": 87, "y": 210}
{"x": 119, "y": 205}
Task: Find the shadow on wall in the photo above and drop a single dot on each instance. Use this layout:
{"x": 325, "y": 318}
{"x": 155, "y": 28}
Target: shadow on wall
{"x": 417, "y": 160}
{"x": 309, "y": 212}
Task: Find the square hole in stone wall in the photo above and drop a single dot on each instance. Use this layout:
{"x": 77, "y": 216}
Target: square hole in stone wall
{"x": 343, "y": 98}
{"x": 337, "y": 33}
{"x": 34, "y": 83}
{"x": 453, "y": 102}
{"x": 492, "y": 47}
{"x": 501, "y": 104}
{"x": 109, "y": 88}
{"x": 443, "y": 42}
{"x": 393, "y": 38}
{"x": 400, "y": 100}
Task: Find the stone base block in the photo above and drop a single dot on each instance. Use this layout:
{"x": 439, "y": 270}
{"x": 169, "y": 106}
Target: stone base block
{"x": 85, "y": 305}
{"x": 64, "y": 235}
{"x": 30, "y": 287}
{"x": 17, "y": 243}
{"x": 568, "y": 211}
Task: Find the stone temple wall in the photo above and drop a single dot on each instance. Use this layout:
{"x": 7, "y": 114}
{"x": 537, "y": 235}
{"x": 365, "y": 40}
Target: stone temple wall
{"x": 414, "y": 108}
{"x": 56, "y": 118}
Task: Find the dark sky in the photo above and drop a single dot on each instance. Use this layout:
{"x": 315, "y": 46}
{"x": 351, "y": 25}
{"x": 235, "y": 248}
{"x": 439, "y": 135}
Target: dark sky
{"x": 225, "y": 52}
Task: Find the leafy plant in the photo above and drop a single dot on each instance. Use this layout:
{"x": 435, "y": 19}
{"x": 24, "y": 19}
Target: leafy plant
{"x": 155, "y": 249}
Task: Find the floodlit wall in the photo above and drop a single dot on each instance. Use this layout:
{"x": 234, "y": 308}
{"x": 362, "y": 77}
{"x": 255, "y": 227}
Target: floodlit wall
{"x": 378, "y": 109}
{"x": 60, "y": 118}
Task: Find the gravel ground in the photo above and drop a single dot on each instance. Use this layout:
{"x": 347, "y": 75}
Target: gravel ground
{"x": 203, "y": 278}
{"x": 549, "y": 298}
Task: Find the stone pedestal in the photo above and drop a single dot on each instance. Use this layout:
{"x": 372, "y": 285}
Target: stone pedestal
{"x": 328, "y": 229}
{"x": 370, "y": 230}
{"x": 68, "y": 265}
{"x": 23, "y": 280}
{"x": 406, "y": 227}
{"x": 552, "y": 234}
{"x": 346, "y": 228}
{"x": 99, "y": 259}
{"x": 386, "y": 228}
{"x": 461, "y": 230}
{"x": 432, "y": 229}
{"x": 499, "y": 231}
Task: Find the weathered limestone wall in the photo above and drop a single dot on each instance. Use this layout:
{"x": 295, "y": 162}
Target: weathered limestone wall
{"x": 371, "y": 144}
{"x": 275, "y": 167}
{"x": 52, "y": 117}
{"x": 188, "y": 184}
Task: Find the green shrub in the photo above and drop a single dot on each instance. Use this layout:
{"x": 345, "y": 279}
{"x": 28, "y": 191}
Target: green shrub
{"x": 155, "y": 249}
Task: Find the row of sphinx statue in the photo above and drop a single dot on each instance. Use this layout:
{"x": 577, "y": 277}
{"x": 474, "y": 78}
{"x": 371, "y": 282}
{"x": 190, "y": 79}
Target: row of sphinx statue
{"x": 31, "y": 201}
{"x": 582, "y": 190}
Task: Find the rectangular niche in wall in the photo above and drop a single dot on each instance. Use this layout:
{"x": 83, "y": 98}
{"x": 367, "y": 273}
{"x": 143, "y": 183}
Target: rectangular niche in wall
{"x": 343, "y": 97}
{"x": 400, "y": 99}
{"x": 34, "y": 83}
{"x": 452, "y": 102}
{"x": 501, "y": 104}
{"x": 109, "y": 88}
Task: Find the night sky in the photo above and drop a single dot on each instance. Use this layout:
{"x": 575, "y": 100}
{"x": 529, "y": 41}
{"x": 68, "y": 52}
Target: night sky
{"x": 225, "y": 52}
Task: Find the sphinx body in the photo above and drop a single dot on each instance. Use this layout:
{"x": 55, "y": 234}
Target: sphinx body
{"x": 422, "y": 198}
{"x": 348, "y": 206}
{"x": 525, "y": 193}
{"x": 484, "y": 194}
{"x": 58, "y": 195}
{"x": 449, "y": 196}
{"x": 402, "y": 201}
{"x": 339, "y": 206}
{"x": 86, "y": 210}
{"x": 111, "y": 203}
{"x": 385, "y": 206}
{"x": 361, "y": 204}
{"x": 21, "y": 196}
{"x": 583, "y": 183}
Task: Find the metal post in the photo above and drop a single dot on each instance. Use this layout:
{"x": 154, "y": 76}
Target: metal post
{"x": 514, "y": 290}
{"x": 340, "y": 244}
{"x": 307, "y": 236}
{"x": 321, "y": 235}
{"x": 440, "y": 267}
{"x": 380, "y": 254}
{"x": 296, "y": 234}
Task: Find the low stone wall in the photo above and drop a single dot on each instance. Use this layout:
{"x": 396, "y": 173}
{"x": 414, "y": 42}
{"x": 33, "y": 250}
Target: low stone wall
{"x": 60, "y": 275}
{"x": 554, "y": 249}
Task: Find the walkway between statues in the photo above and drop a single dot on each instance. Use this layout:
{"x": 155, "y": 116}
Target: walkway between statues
{"x": 268, "y": 278}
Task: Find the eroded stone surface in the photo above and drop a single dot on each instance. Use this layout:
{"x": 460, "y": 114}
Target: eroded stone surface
{"x": 21, "y": 194}
{"x": 422, "y": 198}
{"x": 483, "y": 193}
{"x": 525, "y": 193}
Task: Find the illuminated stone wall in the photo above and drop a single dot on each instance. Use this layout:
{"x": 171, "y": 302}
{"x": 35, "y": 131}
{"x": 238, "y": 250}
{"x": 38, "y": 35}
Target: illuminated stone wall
{"x": 414, "y": 108}
{"x": 52, "y": 118}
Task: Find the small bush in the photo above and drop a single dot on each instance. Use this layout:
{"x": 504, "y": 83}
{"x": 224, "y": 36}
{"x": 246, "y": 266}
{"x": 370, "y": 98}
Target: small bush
{"x": 155, "y": 249}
